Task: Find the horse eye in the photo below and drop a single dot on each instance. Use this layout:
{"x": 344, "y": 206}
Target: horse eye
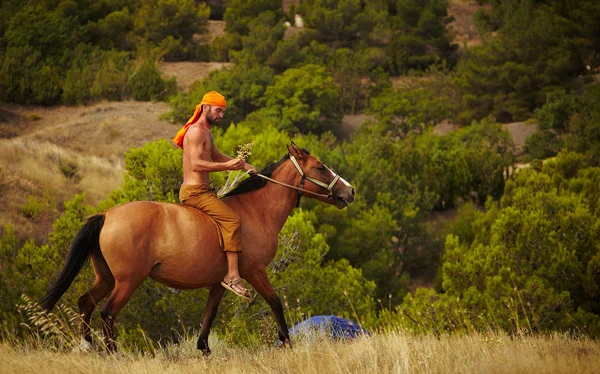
{"x": 321, "y": 168}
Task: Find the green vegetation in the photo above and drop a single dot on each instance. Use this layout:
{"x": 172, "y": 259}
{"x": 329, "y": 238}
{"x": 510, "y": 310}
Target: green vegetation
{"x": 520, "y": 251}
{"x": 78, "y": 52}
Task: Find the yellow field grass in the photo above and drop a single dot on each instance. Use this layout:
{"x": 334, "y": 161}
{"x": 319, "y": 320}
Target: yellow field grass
{"x": 392, "y": 352}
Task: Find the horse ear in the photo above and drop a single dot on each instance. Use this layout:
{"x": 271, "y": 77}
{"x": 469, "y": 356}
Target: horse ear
{"x": 295, "y": 151}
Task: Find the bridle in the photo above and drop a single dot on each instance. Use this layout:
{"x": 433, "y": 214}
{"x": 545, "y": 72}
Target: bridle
{"x": 305, "y": 177}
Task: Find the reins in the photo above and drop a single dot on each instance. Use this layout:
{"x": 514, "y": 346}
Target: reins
{"x": 293, "y": 187}
{"x": 301, "y": 189}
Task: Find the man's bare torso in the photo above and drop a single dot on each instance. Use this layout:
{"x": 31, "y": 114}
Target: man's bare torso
{"x": 204, "y": 151}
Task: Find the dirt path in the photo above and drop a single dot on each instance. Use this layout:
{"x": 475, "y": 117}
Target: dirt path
{"x": 187, "y": 72}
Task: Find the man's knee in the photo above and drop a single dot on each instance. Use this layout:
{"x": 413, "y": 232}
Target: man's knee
{"x": 234, "y": 219}
{"x": 236, "y": 224}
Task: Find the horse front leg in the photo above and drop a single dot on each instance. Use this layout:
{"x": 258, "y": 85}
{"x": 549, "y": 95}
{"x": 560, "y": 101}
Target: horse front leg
{"x": 260, "y": 281}
{"x": 210, "y": 312}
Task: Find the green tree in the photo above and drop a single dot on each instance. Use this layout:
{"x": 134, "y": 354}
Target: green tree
{"x": 405, "y": 179}
{"x": 265, "y": 31}
{"x": 147, "y": 84}
{"x": 44, "y": 30}
{"x": 39, "y": 42}
{"x": 404, "y": 110}
{"x": 305, "y": 99}
{"x": 240, "y": 14}
{"x": 157, "y": 19}
{"x": 568, "y": 121}
{"x": 342, "y": 23}
{"x": 419, "y": 36}
{"x": 114, "y": 30}
{"x": 532, "y": 263}
{"x": 112, "y": 76}
{"x": 537, "y": 50}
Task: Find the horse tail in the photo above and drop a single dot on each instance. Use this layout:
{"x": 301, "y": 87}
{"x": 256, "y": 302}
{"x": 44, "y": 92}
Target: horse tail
{"x": 84, "y": 244}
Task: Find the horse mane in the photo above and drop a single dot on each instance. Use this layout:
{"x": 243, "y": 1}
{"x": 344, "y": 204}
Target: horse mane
{"x": 255, "y": 182}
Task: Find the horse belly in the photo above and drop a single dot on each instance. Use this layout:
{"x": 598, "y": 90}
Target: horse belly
{"x": 188, "y": 258}
{"x": 190, "y": 269}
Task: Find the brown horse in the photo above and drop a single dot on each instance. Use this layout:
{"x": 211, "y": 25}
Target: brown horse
{"x": 178, "y": 245}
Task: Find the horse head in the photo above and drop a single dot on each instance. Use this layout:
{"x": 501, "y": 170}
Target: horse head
{"x": 324, "y": 184}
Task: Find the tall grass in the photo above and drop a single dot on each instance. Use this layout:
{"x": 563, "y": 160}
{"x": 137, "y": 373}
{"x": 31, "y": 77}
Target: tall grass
{"x": 394, "y": 351}
{"x": 62, "y": 170}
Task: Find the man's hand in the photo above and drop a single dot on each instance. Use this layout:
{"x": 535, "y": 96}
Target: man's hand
{"x": 251, "y": 169}
{"x": 235, "y": 164}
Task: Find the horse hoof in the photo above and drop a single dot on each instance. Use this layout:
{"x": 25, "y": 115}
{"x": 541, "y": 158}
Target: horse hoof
{"x": 203, "y": 346}
{"x": 84, "y": 346}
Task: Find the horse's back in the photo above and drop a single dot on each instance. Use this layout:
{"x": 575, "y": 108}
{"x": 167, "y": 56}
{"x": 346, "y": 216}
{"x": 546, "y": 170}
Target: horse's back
{"x": 174, "y": 244}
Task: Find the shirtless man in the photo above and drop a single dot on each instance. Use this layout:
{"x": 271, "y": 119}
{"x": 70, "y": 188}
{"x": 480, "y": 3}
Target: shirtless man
{"x": 201, "y": 156}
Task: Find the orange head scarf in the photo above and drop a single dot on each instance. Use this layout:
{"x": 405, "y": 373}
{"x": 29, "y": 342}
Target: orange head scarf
{"x": 211, "y": 98}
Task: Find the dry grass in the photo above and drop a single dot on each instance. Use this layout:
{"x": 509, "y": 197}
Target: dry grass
{"x": 393, "y": 352}
{"x": 61, "y": 151}
{"x": 41, "y": 164}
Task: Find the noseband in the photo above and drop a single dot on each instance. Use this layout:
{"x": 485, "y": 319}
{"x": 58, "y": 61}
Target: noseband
{"x": 313, "y": 180}
{"x": 301, "y": 190}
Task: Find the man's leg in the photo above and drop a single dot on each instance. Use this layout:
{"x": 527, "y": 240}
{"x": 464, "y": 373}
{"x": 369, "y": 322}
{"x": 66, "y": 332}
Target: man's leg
{"x": 233, "y": 274}
{"x": 233, "y": 271}
{"x": 202, "y": 197}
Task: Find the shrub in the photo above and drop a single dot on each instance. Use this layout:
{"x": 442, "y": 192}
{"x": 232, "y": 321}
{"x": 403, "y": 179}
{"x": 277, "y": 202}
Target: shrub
{"x": 70, "y": 171}
{"x": 146, "y": 84}
{"x": 112, "y": 76}
{"x": 35, "y": 207}
{"x": 47, "y": 85}
{"x": 81, "y": 74}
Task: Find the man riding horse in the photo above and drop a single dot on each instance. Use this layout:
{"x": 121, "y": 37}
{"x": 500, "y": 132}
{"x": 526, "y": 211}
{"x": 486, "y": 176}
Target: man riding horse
{"x": 201, "y": 156}
{"x": 182, "y": 247}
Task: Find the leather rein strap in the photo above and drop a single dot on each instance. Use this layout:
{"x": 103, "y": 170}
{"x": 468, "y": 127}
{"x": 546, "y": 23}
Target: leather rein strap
{"x": 301, "y": 189}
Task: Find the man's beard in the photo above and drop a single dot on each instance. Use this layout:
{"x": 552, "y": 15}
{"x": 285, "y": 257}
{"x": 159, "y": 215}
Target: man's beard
{"x": 210, "y": 119}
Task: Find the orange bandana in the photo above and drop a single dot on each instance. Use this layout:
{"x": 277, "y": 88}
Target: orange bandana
{"x": 211, "y": 98}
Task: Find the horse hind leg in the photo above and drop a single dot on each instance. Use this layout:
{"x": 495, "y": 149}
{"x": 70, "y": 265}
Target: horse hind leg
{"x": 103, "y": 284}
{"x": 120, "y": 295}
{"x": 210, "y": 312}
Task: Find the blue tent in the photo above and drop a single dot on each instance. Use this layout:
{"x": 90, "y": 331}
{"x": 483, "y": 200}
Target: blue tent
{"x": 331, "y": 326}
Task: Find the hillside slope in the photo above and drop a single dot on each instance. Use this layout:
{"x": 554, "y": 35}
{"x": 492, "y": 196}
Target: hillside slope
{"x": 55, "y": 153}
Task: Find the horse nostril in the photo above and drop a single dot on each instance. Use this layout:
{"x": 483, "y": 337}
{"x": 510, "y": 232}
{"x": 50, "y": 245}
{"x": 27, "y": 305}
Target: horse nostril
{"x": 353, "y": 192}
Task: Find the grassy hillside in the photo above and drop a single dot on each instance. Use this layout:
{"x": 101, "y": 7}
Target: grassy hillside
{"x": 54, "y": 153}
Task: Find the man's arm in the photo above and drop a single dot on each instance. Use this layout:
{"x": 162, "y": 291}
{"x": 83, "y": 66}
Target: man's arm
{"x": 198, "y": 146}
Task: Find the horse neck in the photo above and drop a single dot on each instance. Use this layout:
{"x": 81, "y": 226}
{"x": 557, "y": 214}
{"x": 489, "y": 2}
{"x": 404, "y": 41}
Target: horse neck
{"x": 275, "y": 201}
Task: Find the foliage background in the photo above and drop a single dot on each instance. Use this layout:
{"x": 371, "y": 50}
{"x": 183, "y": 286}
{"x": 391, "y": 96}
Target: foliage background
{"x": 521, "y": 249}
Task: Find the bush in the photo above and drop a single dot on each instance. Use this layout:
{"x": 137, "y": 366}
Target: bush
{"x": 35, "y": 207}
{"x": 81, "y": 74}
{"x": 542, "y": 145}
{"x": 158, "y": 19}
{"x": 112, "y": 76}
{"x": 306, "y": 99}
{"x": 147, "y": 84}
